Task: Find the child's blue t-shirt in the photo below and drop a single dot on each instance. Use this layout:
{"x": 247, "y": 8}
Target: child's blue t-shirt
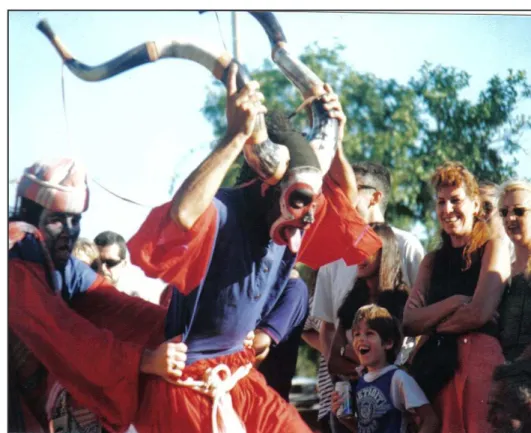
{"x": 383, "y": 397}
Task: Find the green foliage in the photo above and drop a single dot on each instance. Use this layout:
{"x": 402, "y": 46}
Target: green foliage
{"x": 410, "y": 128}
{"x": 307, "y": 361}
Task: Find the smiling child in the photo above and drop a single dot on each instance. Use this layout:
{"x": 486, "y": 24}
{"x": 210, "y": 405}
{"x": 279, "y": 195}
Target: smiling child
{"x": 384, "y": 393}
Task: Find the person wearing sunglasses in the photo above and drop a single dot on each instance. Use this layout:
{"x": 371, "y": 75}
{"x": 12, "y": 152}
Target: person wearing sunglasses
{"x": 113, "y": 255}
{"x": 515, "y": 309}
{"x": 509, "y": 401}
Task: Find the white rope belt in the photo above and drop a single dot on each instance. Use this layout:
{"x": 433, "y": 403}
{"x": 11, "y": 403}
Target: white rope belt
{"x": 214, "y": 386}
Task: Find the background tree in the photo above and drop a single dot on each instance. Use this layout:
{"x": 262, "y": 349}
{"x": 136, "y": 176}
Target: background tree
{"x": 410, "y": 128}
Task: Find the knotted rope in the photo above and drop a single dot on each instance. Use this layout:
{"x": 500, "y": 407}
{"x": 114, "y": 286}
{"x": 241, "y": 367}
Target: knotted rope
{"x": 218, "y": 388}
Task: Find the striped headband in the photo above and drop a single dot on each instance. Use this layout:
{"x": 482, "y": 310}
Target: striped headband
{"x": 59, "y": 185}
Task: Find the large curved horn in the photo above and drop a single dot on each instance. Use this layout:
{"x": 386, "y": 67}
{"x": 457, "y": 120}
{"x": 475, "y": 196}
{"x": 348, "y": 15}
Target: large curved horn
{"x": 324, "y": 133}
{"x": 268, "y": 159}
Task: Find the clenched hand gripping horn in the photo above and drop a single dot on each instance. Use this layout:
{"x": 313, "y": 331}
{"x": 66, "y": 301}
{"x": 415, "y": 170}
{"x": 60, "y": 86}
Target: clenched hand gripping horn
{"x": 268, "y": 159}
{"x": 303, "y": 180}
{"x": 324, "y": 134}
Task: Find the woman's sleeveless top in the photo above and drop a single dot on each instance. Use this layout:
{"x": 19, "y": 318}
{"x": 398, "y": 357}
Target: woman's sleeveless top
{"x": 515, "y": 317}
{"x": 449, "y": 277}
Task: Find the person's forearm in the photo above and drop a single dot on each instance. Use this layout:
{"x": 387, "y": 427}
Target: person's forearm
{"x": 429, "y": 424}
{"x": 526, "y": 354}
{"x": 429, "y": 427}
{"x": 342, "y": 174}
{"x": 312, "y": 339}
{"x": 261, "y": 345}
{"x": 418, "y": 321}
{"x": 465, "y": 318}
{"x": 339, "y": 364}
{"x": 326, "y": 335}
{"x": 107, "y": 308}
{"x": 197, "y": 191}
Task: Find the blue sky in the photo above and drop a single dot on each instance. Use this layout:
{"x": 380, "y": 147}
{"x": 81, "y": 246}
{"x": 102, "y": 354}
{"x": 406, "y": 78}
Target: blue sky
{"x": 135, "y": 131}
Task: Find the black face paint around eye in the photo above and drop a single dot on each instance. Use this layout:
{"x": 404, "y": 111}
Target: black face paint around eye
{"x": 60, "y": 231}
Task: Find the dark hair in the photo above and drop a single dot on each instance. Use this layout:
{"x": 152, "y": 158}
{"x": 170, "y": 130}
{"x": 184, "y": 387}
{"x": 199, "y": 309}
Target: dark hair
{"x": 104, "y": 239}
{"x": 512, "y": 396}
{"x": 281, "y": 131}
{"x": 384, "y": 324}
{"x": 392, "y": 291}
{"x": 28, "y": 211}
{"x": 377, "y": 176}
{"x": 487, "y": 183}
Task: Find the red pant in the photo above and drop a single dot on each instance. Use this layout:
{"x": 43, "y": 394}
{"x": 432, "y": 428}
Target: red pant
{"x": 165, "y": 408}
{"x": 462, "y": 403}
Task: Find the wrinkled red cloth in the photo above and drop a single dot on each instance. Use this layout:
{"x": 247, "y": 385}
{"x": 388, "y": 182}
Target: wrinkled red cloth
{"x": 99, "y": 365}
{"x": 169, "y": 408}
{"x": 180, "y": 257}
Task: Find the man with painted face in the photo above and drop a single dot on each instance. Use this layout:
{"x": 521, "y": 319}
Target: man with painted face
{"x": 228, "y": 252}
{"x": 215, "y": 247}
{"x": 43, "y": 273}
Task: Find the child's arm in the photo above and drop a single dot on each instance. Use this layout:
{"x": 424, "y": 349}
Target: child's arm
{"x": 408, "y": 397}
{"x": 350, "y": 422}
{"x": 427, "y": 420}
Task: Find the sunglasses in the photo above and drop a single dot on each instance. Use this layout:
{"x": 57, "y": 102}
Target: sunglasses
{"x": 517, "y": 211}
{"x": 96, "y": 265}
{"x": 111, "y": 263}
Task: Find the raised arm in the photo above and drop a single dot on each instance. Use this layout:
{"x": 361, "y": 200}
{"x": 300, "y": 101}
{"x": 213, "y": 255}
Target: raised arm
{"x": 420, "y": 318}
{"x": 495, "y": 270}
{"x": 197, "y": 191}
{"x": 340, "y": 170}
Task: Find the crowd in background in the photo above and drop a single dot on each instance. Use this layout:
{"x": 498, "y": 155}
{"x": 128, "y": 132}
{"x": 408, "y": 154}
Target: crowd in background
{"x": 480, "y": 270}
{"x": 463, "y": 308}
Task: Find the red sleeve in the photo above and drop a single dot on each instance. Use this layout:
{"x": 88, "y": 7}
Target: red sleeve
{"x": 129, "y": 318}
{"x": 166, "y": 251}
{"x": 338, "y": 232}
{"x": 100, "y": 372}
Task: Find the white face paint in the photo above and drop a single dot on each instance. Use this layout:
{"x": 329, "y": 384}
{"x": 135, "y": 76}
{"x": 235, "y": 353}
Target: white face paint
{"x": 298, "y": 205}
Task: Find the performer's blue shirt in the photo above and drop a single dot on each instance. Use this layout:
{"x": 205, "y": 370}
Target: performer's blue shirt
{"x": 246, "y": 277}
{"x": 75, "y": 278}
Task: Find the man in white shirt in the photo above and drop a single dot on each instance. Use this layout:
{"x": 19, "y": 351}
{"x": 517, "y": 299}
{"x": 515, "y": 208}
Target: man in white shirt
{"x": 336, "y": 279}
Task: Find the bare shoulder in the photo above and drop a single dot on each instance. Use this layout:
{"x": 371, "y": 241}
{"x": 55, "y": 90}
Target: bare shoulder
{"x": 428, "y": 261}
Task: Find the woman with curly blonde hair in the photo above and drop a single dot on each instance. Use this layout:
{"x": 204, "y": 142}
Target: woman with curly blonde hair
{"x": 454, "y": 302}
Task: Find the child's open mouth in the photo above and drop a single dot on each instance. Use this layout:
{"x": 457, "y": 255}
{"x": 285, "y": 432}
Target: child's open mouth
{"x": 364, "y": 350}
